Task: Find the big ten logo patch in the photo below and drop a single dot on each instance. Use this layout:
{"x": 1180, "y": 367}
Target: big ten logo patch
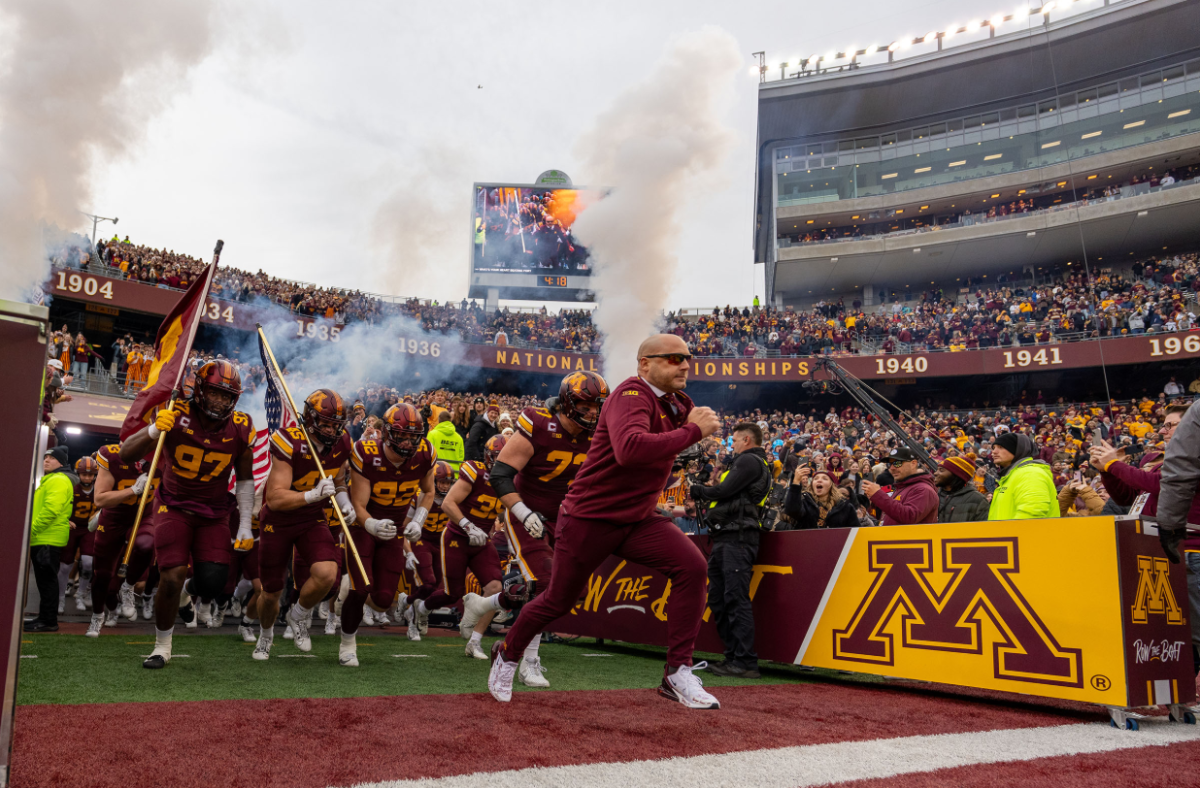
{"x": 942, "y": 592}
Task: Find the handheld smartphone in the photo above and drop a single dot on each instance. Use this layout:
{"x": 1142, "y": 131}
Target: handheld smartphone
{"x": 1096, "y": 439}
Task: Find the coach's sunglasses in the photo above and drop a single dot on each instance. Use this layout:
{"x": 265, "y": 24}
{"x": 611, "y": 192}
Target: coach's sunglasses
{"x": 675, "y": 359}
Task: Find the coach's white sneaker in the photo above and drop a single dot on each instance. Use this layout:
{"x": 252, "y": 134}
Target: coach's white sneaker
{"x": 530, "y": 673}
{"x": 128, "y": 606}
{"x": 414, "y": 631}
{"x": 299, "y": 625}
{"x": 94, "y": 627}
{"x": 500, "y": 679}
{"x": 332, "y": 623}
{"x": 473, "y": 650}
{"x": 263, "y": 650}
{"x": 348, "y": 651}
{"x": 475, "y": 607}
{"x": 686, "y": 687}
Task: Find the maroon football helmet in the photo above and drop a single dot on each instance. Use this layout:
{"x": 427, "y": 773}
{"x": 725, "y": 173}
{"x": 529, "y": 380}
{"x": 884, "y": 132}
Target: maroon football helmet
{"x": 492, "y": 450}
{"x": 404, "y": 429}
{"x": 325, "y": 418}
{"x": 86, "y": 469}
{"x": 217, "y": 388}
{"x": 576, "y": 390}
{"x": 443, "y": 477}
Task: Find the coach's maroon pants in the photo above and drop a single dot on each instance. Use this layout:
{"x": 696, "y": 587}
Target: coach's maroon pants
{"x": 583, "y": 545}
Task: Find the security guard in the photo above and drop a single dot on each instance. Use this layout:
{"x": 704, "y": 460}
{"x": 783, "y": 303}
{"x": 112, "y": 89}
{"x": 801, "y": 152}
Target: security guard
{"x": 732, "y": 509}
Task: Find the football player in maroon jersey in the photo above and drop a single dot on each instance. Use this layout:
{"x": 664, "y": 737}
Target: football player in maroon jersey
{"x": 427, "y": 551}
{"x": 385, "y": 479}
{"x": 531, "y": 476}
{"x": 206, "y": 440}
{"x": 119, "y": 485}
{"x": 471, "y": 507}
{"x": 81, "y": 511}
{"x": 295, "y": 517}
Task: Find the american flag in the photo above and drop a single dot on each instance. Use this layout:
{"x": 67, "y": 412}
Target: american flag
{"x": 278, "y": 415}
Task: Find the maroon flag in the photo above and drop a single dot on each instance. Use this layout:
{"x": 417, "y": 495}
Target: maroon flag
{"x": 171, "y": 349}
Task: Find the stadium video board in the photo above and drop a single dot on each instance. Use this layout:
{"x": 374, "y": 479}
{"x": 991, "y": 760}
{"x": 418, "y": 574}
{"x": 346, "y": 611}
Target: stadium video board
{"x": 523, "y": 245}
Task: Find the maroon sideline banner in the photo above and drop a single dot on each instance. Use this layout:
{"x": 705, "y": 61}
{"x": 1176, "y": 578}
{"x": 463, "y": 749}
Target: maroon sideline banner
{"x": 1079, "y": 608}
{"x": 23, "y": 354}
{"x": 109, "y": 293}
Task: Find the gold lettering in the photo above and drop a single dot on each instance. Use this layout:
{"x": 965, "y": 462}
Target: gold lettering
{"x": 564, "y": 362}
{"x": 743, "y": 368}
{"x": 501, "y": 357}
{"x": 726, "y": 368}
{"x": 659, "y": 606}
{"x": 529, "y": 359}
{"x": 772, "y": 367}
{"x": 710, "y": 369}
{"x": 592, "y": 364}
{"x": 579, "y": 362}
{"x": 802, "y": 368}
{"x": 757, "y": 572}
{"x": 551, "y": 361}
{"x": 596, "y": 591}
{"x": 760, "y": 368}
{"x": 516, "y": 359}
{"x": 787, "y": 367}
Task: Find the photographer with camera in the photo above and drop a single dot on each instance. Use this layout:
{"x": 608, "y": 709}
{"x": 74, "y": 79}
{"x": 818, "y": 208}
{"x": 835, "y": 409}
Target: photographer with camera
{"x": 732, "y": 510}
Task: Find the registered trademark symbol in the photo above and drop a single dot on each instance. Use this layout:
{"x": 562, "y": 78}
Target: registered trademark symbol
{"x": 1101, "y": 682}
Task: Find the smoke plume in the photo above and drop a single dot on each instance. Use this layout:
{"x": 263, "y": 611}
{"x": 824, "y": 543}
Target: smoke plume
{"x": 654, "y": 147}
{"x": 80, "y": 83}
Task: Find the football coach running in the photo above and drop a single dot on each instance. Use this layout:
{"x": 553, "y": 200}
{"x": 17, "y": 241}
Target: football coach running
{"x": 611, "y": 510}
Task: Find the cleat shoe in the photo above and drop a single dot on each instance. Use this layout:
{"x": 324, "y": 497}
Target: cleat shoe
{"x": 111, "y": 618}
{"x": 684, "y": 686}
{"x": 158, "y": 658}
{"x": 500, "y": 679}
{"x": 87, "y": 597}
{"x": 80, "y": 605}
{"x": 475, "y": 607}
{"x": 93, "y": 630}
{"x": 148, "y": 605}
{"x": 323, "y": 610}
{"x": 236, "y": 609}
{"x": 72, "y": 587}
{"x": 348, "y": 652}
{"x": 128, "y": 607}
{"x": 299, "y": 625}
{"x": 204, "y": 613}
{"x": 188, "y": 614}
{"x": 288, "y": 632}
{"x": 263, "y": 650}
{"x": 530, "y": 673}
{"x": 333, "y": 624}
{"x": 423, "y": 619}
{"x": 399, "y": 608}
{"x": 414, "y": 631}
{"x": 368, "y": 618}
{"x": 382, "y": 619}
{"x": 247, "y": 633}
{"x": 473, "y": 650}
{"x": 218, "y": 620}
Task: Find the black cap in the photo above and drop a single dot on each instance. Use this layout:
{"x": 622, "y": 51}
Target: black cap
{"x": 59, "y": 453}
{"x": 902, "y": 453}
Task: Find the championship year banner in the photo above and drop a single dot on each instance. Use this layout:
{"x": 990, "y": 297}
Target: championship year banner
{"x": 1079, "y": 608}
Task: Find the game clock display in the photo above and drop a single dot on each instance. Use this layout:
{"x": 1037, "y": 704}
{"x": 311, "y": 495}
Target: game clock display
{"x": 552, "y": 281}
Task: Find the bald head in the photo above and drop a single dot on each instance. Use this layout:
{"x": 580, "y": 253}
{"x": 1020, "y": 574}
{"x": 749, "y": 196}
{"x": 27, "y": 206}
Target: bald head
{"x": 661, "y": 372}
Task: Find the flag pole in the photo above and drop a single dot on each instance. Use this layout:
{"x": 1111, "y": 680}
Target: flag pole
{"x": 123, "y": 569}
{"x": 311, "y": 448}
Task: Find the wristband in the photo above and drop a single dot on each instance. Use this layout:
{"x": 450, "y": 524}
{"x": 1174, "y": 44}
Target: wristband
{"x": 154, "y": 432}
{"x": 466, "y": 524}
{"x": 520, "y": 511}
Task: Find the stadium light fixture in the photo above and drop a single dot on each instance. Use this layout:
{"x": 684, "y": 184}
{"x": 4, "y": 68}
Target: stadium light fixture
{"x": 1178, "y": 114}
{"x": 1091, "y": 134}
{"x": 996, "y": 21}
{"x": 74, "y": 431}
{"x": 871, "y": 50}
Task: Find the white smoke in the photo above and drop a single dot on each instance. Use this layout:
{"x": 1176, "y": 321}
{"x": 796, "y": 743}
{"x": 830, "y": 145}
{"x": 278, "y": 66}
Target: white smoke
{"x": 80, "y": 83}
{"x": 654, "y": 147}
{"x": 421, "y": 229}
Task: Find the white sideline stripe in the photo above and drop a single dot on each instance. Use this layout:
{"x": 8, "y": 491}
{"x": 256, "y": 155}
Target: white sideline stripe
{"x": 822, "y": 764}
{"x": 837, "y": 571}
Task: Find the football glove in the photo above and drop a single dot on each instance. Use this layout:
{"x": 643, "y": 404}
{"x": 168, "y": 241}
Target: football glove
{"x": 139, "y": 485}
{"x": 412, "y": 531}
{"x": 530, "y": 519}
{"x": 380, "y": 529}
{"x": 320, "y": 491}
{"x": 163, "y": 422}
{"x": 244, "y": 541}
{"x": 411, "y": 561}
{"x": 475, "y": 534}
{"x": 348, "y": 513}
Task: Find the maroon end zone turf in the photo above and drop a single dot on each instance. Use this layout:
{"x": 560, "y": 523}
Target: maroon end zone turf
{"x": 314, "y": 743}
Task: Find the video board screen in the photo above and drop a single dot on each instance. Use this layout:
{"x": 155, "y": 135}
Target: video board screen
{"x": 528, "y": 230}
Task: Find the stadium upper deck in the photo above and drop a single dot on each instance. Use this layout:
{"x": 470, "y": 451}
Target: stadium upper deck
{"x": 1088, "y": 113}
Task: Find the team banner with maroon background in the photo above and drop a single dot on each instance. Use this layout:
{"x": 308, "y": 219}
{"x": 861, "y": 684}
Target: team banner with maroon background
{"x": 1080, "y": 608}
{"x": 171, "y": 349}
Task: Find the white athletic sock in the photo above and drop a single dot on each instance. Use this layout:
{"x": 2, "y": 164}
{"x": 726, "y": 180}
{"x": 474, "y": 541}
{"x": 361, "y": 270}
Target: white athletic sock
{"x": 421, "y": 609}
{"x": 64, "y": 576}
{"x": 162, "y": 639}
{"x": 267, "y": 634}
{"x": 531, "y": 651}
{"x": 348, "y": 639}
{"x": 244, "y": 587}
{"x": 494, "y": 601}
{"x": 476, "y": 637}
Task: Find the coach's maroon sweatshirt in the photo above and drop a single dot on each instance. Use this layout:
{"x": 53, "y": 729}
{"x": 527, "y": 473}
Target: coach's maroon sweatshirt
{"x": 630, "y": 458}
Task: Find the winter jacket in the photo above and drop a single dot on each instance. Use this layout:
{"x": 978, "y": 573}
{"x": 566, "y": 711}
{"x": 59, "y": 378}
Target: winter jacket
{"x": 733, "y": 502}
{"x": 964, "y": 505}
{"x": 1026, "y": 492}
{"x": 52, "y": 504}
{"x": 802, "y": 508}
{"x": 481, "y": 432}
{"x": 913, "y": 500}
{"x": 447, "y": 443}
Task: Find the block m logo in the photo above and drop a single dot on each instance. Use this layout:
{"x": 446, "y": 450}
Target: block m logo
{"x": 1154, "y": 595}
{"x": 976, "y": 582}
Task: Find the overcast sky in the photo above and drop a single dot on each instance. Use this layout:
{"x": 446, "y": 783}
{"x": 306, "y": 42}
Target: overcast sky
{"x": 308, "y": 117}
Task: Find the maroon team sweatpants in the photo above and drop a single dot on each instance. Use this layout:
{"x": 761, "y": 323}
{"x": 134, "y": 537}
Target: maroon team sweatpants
{"x": 581, "y": 547}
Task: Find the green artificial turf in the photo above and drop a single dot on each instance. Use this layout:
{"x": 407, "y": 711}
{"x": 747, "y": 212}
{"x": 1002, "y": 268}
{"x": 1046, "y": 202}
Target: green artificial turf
{"x": 71, "y": 669}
